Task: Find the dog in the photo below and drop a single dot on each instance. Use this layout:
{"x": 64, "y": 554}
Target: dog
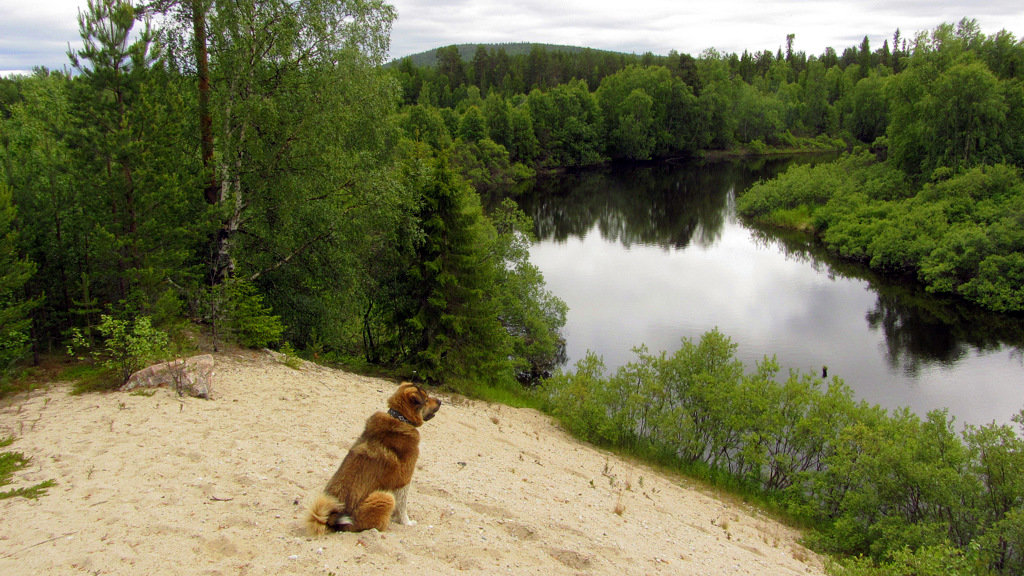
{"x": 370, "y": 488}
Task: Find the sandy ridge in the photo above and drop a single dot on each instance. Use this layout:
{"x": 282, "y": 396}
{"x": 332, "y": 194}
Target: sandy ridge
{"x": 166, "y": 485}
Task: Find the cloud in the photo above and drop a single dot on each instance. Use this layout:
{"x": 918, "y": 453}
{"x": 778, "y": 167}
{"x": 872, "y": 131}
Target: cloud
{"x": 662, "y": 25}
{"x": 38, "y": 32}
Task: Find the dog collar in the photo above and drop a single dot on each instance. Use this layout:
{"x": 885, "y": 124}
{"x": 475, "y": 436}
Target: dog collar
{"x": 397, "y": 416}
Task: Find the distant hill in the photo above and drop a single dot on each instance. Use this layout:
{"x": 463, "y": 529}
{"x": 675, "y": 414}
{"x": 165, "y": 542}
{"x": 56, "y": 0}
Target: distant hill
{"x": 466, "y": 51}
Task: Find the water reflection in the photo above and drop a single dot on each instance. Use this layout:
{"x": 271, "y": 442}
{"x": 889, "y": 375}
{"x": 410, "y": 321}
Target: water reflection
{"x": 920, "y": 329}
{"x": 663, "y": 205}
{"x": 651, "y": 254}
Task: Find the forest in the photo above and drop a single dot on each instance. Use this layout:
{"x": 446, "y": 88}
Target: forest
{"x": 208, "y": 173}
{"x": 237, "y": 172}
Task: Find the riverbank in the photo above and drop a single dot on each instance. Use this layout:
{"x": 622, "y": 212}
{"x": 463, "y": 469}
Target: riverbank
{"x": 162, "y": 484}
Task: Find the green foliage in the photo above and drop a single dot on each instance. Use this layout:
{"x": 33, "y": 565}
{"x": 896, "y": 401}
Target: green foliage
{"x": 15, "y": 272}
{"x": 38, "y": 170}
{"x": 579, "y": 399}
{"x": 498, "y": 113}
{"x": 798, "y": 218}
{"x": 11, "y": 462}
{"x": 307, "y": 211}
{"x": 473, "y": 126}
{"x": 466, "y": 307}
{"x": 486, "y": 165}
{"x": 425, "y": 124}
{"x": 868, "y": 109}
{"x": 99, "y": 174}
{"x": 307, "y": 215}
{"x": 239, "y": 310}
{"x": 326, "y": 215}
{"x": 999, "y": 283}
{"x": 450, "y": 318}
{"x": 757, "y": 116}
{"x": 959, "y": 235}
{"x": 126, "y": 347}
{"x": 523, "y": 145}
{"x": 127, "y": 127}
{"x": 938, "y": 560}
{"x": 952, "y": 98}
{"x": 476, "y": 310}
{"x": 289, "y": 357}
{"x": 531, "y": 315}
{"x": 892, "y": 493}
{"x": 632, "y": 135}
{"x": 647, "y": 112}
{"x": 813, "y": 186}
{"x": 948, "y": 109}
{"x": 567, "y": 123}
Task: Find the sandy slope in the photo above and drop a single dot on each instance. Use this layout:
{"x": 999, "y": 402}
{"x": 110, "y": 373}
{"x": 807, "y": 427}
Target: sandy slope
{"x": 162, "y": 485}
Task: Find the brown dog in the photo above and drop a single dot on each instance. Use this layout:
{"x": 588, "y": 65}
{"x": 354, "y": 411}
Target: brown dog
{"x": 370, "y": 487}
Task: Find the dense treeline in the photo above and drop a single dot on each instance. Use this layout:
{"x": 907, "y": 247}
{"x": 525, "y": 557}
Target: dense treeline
{"x": 550, "y": 108}
{"x": 897, "y": 494}
{"x": 942, "y": 198}
{"x": 236, "y": 166}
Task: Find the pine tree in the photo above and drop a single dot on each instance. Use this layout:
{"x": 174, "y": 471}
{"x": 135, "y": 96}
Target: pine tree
{"x": 458, "y": 335}
{"x": 14, "y": 308}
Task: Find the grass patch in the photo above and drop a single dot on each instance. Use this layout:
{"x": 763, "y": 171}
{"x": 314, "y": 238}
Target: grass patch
{"x": 11, "y": 462}
{"x": 29, "y": 378}
{"x": 513, "y": 398}
{"x": 85, "y": 376}
{"x": 89, "y": 377}
{"x": 800, "y": 218}
{"x": 13, "y": 386}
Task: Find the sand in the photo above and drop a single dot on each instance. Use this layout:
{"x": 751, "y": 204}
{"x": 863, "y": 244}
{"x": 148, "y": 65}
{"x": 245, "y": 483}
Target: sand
{"x": 166, "y": 485}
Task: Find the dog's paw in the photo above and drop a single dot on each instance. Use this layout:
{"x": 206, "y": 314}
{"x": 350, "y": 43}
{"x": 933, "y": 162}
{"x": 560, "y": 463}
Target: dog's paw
{"x": 340, "y": 523}
{"x": 406, "y": 521}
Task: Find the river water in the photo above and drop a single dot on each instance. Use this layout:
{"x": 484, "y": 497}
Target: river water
{"x": 653, "y": 254}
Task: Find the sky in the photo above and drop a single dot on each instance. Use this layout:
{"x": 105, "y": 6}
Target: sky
{"x": 38, "y": 32}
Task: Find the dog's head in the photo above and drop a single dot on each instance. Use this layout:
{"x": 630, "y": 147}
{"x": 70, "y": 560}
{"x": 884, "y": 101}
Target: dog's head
{"x": 414, "y": 403}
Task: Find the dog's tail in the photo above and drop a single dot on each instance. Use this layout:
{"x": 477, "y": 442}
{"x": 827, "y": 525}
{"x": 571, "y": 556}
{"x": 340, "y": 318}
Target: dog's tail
{"x": 319, "y": 513}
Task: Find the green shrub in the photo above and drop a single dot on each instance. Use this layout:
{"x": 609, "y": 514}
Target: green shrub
{"x": 126, "y": 346}
{"x": 938, "y": 560}
{"x": 960, "y": 233}
{"x": 236, "y": 311}
{"x": 904, "y": 494}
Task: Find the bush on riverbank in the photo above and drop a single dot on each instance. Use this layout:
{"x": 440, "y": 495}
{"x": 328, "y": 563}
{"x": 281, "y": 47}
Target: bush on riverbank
{"x": 895, "y": 488}
{"x": 959, "y": 234}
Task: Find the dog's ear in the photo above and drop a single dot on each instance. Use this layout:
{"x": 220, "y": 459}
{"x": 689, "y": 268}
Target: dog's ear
{"x": 412, "y": 394}
{"x": 417, "y": 397}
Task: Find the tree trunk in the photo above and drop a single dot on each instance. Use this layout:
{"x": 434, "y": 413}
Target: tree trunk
{"x": 205, "y": 118}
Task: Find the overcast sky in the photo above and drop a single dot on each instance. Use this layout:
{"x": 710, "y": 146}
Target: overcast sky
{"x": 37, "y": 32}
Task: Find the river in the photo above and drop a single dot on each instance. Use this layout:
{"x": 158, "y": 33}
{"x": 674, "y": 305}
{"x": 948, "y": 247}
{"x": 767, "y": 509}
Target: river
{"x": 653, "y": 254}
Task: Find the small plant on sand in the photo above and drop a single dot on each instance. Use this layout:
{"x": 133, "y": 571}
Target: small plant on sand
{"x": 126, "y": 348}
{"x": 620, "y": 508}
{"x": 289, "y": 357}
{"x": 11, "y": 462}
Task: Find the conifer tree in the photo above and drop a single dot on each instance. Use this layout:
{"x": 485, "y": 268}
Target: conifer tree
{"x": 134, "y": 170}
{"x": 14, "y": 308}
{"x": 458, "y": 335}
